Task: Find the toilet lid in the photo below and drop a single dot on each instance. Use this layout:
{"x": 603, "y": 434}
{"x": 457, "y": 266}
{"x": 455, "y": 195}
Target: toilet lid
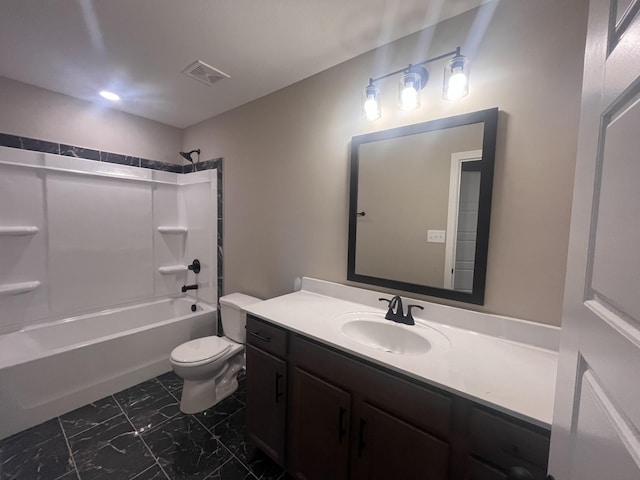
{"x": 200, "y": 349}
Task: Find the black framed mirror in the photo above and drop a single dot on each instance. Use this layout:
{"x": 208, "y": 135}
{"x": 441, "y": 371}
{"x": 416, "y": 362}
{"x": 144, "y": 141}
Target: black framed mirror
{"x": 420, "y": 206}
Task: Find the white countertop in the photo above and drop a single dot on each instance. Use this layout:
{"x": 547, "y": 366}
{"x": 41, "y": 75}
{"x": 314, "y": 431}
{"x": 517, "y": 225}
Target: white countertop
{"x": 513, "y": 377}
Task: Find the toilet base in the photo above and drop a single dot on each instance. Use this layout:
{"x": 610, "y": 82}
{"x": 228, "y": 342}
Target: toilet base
{"x": 200, "y": 395}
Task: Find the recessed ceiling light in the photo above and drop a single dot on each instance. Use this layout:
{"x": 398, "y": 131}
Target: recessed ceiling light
{"x": 109, "y": 95}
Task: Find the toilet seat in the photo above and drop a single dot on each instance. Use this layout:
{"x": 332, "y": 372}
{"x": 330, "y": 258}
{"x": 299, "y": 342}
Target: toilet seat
{"x": 201, "y": 351}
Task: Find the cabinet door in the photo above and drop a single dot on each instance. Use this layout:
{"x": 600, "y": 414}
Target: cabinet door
{"x": 321, "y": 413}
{"x": 266, "y": 402}
{"x": 386, "y": 447}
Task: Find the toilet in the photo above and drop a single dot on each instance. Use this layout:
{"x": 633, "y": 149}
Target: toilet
{"x": 210, "y": 365}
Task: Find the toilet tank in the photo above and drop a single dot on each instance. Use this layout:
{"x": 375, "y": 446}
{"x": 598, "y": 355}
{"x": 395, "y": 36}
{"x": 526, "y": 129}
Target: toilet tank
{"x": 233, "y": 317}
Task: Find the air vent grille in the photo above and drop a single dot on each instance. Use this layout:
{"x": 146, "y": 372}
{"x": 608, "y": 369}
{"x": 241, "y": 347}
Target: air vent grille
{"x": 204, "y": 73}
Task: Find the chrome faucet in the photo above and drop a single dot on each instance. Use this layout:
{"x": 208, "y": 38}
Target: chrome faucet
{"x": 396, "y": 313}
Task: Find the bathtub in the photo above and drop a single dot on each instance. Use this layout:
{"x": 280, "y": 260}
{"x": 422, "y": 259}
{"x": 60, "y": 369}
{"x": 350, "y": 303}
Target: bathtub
{"x": 53, "y": 368}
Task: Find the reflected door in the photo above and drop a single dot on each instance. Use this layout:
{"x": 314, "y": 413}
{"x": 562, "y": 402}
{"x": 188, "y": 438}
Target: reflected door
{"x": 462, "y": 220}
{"x": 467, "y": 229}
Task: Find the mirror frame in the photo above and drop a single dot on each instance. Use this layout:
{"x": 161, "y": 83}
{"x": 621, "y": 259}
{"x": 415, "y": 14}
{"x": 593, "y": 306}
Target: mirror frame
{"x": 490, "y": 119}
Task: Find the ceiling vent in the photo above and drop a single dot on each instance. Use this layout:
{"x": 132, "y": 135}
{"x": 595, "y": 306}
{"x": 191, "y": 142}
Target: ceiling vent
{"x": 204, "y": 73}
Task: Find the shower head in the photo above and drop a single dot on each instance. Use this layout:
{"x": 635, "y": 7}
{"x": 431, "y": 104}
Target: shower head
{"x": 187, "y": 155}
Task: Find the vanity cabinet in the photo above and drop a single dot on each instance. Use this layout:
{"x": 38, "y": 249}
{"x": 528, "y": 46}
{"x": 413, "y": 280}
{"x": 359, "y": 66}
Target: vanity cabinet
{"x": 266, "y": 386}
{"x": 350, "y": 420}
{"x": 346, "y": 418}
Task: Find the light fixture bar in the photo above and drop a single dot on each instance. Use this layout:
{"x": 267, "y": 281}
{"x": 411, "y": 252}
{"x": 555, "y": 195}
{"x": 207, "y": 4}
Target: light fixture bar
{"x": 455, "y": 52}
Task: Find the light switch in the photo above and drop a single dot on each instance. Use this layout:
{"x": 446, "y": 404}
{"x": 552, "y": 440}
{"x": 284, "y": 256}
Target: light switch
{"x": 436, "y": 236}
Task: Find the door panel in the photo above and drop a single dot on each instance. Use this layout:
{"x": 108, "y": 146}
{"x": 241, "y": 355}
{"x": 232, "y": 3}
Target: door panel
{"x": 596, "y": 421}
{"x": 616, "y": 274}
{"x": 605, "y": 446}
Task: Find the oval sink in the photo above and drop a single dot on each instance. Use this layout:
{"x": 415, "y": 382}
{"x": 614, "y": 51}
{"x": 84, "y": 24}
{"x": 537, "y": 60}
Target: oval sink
{"x": 387, "y": 337}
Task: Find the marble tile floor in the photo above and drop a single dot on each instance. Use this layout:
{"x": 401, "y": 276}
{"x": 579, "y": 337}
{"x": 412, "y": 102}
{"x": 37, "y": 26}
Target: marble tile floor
{"x": 139, "y": 434}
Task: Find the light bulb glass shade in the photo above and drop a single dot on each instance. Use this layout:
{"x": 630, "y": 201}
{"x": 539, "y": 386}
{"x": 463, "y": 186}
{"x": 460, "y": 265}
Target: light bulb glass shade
{"x": 456, "y": 78}
{"x": 371, "y": 102}
{"x": 409, "y": 91}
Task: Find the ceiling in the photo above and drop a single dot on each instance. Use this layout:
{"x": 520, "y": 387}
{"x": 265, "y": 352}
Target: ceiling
{"x": 137, "y": 48}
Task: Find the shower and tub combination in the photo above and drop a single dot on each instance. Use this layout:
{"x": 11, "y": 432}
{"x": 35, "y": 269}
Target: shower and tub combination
{"x": 93, "y": 257}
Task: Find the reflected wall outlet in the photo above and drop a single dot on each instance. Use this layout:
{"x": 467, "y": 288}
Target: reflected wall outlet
{"x": 436, "y": 236}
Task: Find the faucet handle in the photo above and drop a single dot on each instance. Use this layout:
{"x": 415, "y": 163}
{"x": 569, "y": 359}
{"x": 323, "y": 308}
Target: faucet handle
{"x": 409, "y": 316}
{"x": 389, "y": 315}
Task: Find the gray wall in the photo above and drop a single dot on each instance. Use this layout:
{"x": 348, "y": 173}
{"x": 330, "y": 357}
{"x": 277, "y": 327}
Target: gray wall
{"x": 30, "y": 111}
{"x": 286, "y": 154}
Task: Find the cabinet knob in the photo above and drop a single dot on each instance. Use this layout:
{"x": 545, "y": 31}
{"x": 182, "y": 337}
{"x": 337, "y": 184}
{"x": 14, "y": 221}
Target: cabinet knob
{"x": 519, "y": 473}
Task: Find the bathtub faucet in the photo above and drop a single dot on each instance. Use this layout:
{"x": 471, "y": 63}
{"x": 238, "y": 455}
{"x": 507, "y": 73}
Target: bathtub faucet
{"x": 189, "y": 287}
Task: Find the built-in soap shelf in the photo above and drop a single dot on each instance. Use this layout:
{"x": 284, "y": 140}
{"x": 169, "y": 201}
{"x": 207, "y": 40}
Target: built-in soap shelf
{"x": 17, "y": 288}
{"x": 172, "y": 229}
{"x": 18, "y": 231}
{"x": 169, "y": 269}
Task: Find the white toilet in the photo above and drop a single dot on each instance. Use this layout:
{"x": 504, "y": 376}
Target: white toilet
{"x": 210, "y": 365}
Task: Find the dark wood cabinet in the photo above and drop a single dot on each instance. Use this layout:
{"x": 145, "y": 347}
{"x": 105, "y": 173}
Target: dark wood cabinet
{"x": 394, "y": 425}
{"x": 320, "y": 426}
{"x": 478, "y": 470}
{"x": 266, "y": 402}
{"x": 345, "y": 418}
{"x": 508, "y": 444}
{"x": 387, "y": 447}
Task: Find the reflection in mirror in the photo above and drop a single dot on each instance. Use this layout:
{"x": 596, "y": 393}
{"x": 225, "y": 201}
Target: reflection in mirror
{"x": 420, "y": 206}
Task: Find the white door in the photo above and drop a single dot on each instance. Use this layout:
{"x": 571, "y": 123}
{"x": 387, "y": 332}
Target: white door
{"x": 596, "y": 425}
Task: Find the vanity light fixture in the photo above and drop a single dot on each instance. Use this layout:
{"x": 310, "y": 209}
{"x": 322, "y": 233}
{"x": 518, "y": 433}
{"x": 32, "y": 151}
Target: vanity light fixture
{"x": 415, "y": 78}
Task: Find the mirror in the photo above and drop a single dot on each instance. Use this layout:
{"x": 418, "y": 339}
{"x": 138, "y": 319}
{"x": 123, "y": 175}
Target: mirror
{"x": 420, "y": 205}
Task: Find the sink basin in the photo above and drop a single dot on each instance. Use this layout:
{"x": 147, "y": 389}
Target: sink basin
{"x": 387, "y": 337}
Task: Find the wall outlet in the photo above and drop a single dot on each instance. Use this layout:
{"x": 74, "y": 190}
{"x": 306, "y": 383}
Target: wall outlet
{"x": 436, "y": 236}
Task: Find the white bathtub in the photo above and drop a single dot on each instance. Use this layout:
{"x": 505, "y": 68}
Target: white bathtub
{"x": 53, "y": 368}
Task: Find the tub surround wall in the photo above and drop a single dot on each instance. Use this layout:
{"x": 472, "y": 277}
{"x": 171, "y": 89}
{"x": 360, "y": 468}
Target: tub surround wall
{"x": 36, "y": 145}
{"x": 97, "y": 243}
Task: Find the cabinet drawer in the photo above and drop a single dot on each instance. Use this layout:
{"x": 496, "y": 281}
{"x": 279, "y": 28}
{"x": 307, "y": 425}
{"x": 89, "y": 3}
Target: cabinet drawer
{"x": 267, "y": 337}
{"x": 508, "y": 444}
{"x": 477, "y": 470}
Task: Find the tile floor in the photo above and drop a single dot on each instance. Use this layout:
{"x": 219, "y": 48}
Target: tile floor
{"x": 139, "y": 434}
